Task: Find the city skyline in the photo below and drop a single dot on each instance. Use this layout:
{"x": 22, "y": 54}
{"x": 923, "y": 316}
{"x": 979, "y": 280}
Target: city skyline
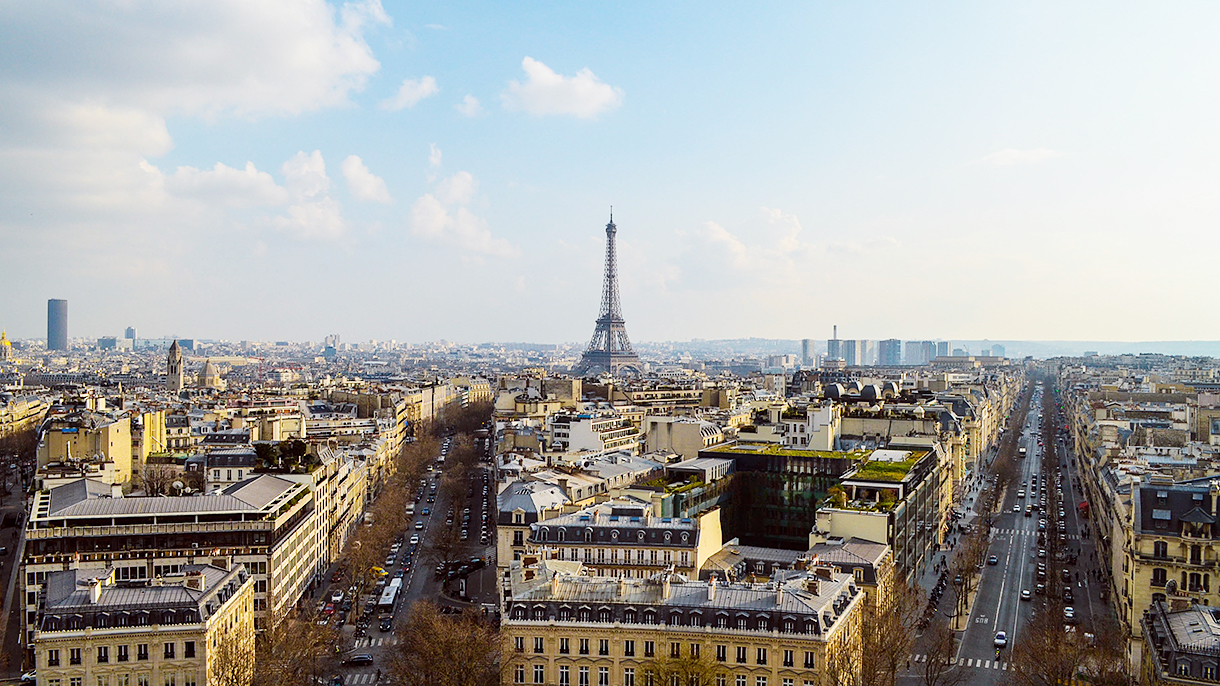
{"x": 833, "y": 162}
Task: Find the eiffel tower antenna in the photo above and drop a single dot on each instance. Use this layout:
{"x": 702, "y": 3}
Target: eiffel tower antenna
{"x": 610, "y": 349}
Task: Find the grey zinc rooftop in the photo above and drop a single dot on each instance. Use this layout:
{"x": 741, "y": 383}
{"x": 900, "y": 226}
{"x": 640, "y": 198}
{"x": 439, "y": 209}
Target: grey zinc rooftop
{"x": 88, "y": 500}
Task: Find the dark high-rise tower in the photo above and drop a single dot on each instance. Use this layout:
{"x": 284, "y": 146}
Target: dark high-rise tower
{"x": 610, "y": 350}
{"x": 57, "y": 325}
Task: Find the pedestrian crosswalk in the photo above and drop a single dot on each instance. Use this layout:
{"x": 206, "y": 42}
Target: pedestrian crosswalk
{"x": 360, "y": 679}
{"x": 1010, "y": 531}
{"x": 370, "y": 642}
{"x": 975, "y": 663}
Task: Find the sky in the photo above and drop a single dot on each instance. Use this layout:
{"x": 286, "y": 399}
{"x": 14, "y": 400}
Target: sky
{"x": 382, "y": 170}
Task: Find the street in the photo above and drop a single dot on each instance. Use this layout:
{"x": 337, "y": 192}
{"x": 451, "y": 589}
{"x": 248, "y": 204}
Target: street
{"x": 999, "y": 604}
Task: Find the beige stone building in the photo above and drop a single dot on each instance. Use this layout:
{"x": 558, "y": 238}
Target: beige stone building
{"x": 88, "y": 436}
{"x": 174, "y": 630}
{"x": 566, "y": 628}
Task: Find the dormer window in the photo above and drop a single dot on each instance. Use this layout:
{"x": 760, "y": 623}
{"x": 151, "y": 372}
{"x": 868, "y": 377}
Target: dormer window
{"x": 668, "y": 535}
{"x": 639, "y": 535}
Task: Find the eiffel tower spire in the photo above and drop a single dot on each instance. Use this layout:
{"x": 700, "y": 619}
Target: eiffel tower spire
{"x": 610, "y": 349}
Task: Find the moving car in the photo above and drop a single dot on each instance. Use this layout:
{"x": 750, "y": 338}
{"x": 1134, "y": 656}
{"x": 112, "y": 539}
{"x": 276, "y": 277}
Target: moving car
{"x": 361, "y": 659}
{"x": 993, "y": 560}
{"x": 1025, "y": 594}
{"x": 1001, "y": 639}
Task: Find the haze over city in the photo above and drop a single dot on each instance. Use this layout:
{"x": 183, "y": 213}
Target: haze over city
{"x": 416, "y": 172}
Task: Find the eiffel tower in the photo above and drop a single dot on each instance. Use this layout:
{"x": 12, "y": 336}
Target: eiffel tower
{"x": 610, "y": 350}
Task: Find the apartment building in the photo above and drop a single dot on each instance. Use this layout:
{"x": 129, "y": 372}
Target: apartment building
{"x": 87, "y": 435}
{"x": 571, "y": 629}
{"x": 270, "y": 525}
{"x": 598, "y": 432}
{"x": 623, "y": 538}
{"x": 94, "y": 629}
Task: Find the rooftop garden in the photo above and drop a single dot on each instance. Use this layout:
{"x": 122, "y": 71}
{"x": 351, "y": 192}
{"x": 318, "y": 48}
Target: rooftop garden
{"x": 776, "y": 449}
{"x": 878, "y": 470}
{"x": 677, "y": 485}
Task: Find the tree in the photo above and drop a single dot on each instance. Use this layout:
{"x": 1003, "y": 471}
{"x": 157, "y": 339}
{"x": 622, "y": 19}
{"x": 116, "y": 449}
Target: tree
{"x": 940, "y": 667}
{"x": 1046, "y": 655}
{"x": 231, "y": 657}
{"x": 888, "y": 632}
{"x": 294, "y": 649}
{"x": 446, "y": 650}
{"x": 157, "y": 477}
{"x": 688, "y": 670}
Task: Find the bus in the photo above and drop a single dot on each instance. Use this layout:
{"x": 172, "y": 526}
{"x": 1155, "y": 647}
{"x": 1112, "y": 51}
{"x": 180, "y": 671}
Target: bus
{"x": 389, "y": 597}
{"x": 410, "y": 509}
{"x": 1020, "y": 452}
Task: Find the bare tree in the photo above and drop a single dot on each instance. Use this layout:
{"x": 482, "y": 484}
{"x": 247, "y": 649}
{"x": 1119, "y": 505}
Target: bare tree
{"x": 1046, "y": 655}
{"x": 888, "y": 632}
{"x": 940, "y": 667}
{"x": 688, "y": 670}
{"x": 294, "y": 649}
{"x": 157, "y": 477}
{"x": 231, "y": 657}
{"x": 446, "y": 650}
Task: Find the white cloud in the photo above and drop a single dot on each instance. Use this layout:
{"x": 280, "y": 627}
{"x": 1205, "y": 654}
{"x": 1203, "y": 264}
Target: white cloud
{"x": 410, "y": 93}
{"x": 226, "y": 186}
{"x": 312, "y": 214}
{"x": 434, "y": 155}
{"x": 1011, "y": 156}
{"x": 362, "y": 183}
{"x": 469, "y": 106}
{"x": 546, "y": 92}
{"x": 457, "y": 189}
{"x": 442, "y": 217}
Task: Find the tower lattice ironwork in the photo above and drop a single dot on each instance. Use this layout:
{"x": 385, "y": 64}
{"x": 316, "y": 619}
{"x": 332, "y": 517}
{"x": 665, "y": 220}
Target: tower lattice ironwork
{"x": 610, "y": 349}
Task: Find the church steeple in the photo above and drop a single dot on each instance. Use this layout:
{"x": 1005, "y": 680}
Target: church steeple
{"x": 173, "y": 369}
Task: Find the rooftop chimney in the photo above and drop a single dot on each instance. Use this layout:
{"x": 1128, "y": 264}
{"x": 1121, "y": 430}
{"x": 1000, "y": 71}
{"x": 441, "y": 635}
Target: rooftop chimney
{"x": 95, "y": 590}
{"x": 222, "y": 562}
{"x": 711, "y": 588}
{"x": 194, "y": 580}
{"x": 824, "y": 572}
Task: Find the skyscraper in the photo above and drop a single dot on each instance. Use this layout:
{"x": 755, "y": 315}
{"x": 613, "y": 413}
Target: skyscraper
{"x": 890, "y": 353}
{"x": 942, "y": 348}
{"x": 131, "y": 333}
{"x": 806, "y": 352}
{"x": 57, "y": 325}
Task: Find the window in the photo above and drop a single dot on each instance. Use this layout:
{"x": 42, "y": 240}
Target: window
{"x": 762, "y": 656}
{"x": 519, "y": 674}
{"x": 188, "y": 649}
{"x": 603, "y": 646}
{"x": 808, "y": 659}
{"x": 722, "y": 653}
{"x": 603, "y": 676}
{"x": 74, "y": 656}
{"x": 650, "y": 650}
{"x": 539, "y": 674}
{"x": 518, "y": 538}
{"x": 629, "y": 648}
{"x": 1209, "y": 672}
{"x": 143, "y": 679}
{"x": 788, "y": 682}
{"x": 538, "y": 646}
{"x": 721, "y": 680}
{"x": 1158, "y": 577}
{"x": 103, "y": 655}
{"x": 741, "y": 622}
{"x": 741, "y": 680}
{"x": 76, "y": 681}
{"x": 103, "y": 680}
{"x": 565, "y": 675}
{"x": 171, "y": 679}
{"x": 123, "y": 654}
{"x": 675, "y": 649}
{"x": 583, "y": 675}
{"x": 741, "y": 655}
{"x": 1160, "y": 549}
{"x": 122, "y": 680}
{"x": 52, "y": 658}
{"x": 1183, "y": 668}
{"x": 760, "y": 681}
{"x": 628, "y": 676}
{"x": 142, "y": 652}
{"x": 789, "y": 659}
{"x": 565, "y": 646}
{"x": 169, "y": 651}
{"x": 584, "y": 646}
{"x": 189, "y": 679}
{"x": 694, "y": 650}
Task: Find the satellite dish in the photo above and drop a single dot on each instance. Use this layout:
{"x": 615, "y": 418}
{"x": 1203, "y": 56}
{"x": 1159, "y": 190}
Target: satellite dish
{"x": 178, "y": 485}
{"x": 1171, "y": 587}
